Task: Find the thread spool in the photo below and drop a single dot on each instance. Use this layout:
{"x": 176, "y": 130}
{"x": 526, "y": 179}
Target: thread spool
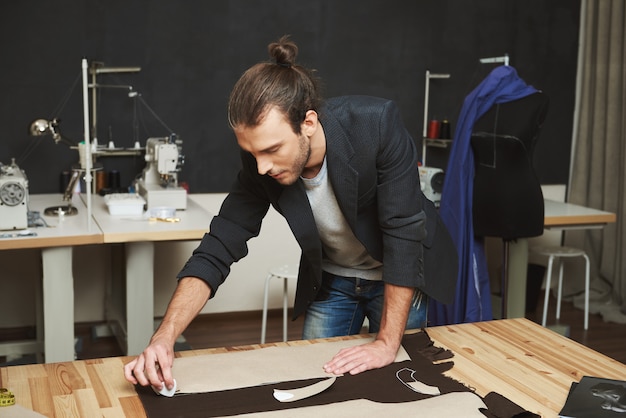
{"x": 433, "y": 129}
{"x": 114, "y": 179}
{"x": 64, "y": 180}
{"x": 101, "y": 180}
{"x": 82, "y": 155}
{"x": 445, "y": 130}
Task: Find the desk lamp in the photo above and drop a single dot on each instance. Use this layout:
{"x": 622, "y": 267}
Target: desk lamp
{"x": 68, "y": 209}
{"x": 42, "y": 127}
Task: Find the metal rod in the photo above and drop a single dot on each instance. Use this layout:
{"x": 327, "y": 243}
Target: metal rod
{"x": 429, "y": 75}
{"x": 504, "y": 59}
{"x": 504, "y": 301}
{"x": 94, "y": 70}
{"x": 111, "y": 70}
{"x": 87, "y": 142}
{"x": 94, "y": 115}
{"x": 112, "y": 86}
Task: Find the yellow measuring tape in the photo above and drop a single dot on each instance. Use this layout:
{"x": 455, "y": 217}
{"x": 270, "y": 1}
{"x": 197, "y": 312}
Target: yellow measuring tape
{"x": 6, "y": 398}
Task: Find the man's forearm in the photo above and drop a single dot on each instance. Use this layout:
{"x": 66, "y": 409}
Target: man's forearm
{"x": 190, "y": 296}
{"x": 395, "y": 313}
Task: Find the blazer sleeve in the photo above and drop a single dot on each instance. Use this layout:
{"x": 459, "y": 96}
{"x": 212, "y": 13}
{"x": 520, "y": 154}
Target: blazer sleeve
{"x": 401, "y": 214}
{"x": 239, "y": 219}
{"x": 418, "y": 250}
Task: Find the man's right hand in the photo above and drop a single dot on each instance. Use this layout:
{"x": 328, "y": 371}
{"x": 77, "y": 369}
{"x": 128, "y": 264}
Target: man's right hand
{"x": 154, "y": 366}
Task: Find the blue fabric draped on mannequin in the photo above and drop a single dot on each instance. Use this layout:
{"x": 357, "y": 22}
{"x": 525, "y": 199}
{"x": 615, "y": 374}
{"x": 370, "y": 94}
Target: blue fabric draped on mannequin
{"x": 472, "y": 302}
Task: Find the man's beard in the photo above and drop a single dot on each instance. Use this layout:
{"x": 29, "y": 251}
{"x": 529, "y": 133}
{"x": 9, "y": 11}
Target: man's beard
{"x": 304, "y": 153}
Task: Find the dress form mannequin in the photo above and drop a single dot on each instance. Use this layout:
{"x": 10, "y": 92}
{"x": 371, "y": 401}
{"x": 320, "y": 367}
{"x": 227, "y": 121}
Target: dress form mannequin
{"x": 507, "y": 200}
{"x": 473, "y": 299}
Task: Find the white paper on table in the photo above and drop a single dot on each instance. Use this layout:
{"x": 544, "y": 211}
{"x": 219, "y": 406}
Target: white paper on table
{"x": 450, "y": 405}
{"x": 237, "y": 369}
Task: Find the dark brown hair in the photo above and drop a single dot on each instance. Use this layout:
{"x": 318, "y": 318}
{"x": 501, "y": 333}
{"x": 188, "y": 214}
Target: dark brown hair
{"x": 280, "y": 83}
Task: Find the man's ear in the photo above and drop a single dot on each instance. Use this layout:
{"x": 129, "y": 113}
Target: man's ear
{"x": 310, "y": 123}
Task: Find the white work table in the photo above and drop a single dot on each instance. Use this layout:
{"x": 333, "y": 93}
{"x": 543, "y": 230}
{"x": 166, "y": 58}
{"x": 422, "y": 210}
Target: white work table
{"x": 557, "y": 215}
{"x": 55, "y": 323}
{"x": 193, "y": 223}
{"x": 61, "y": 231}
{"x": 134, "y": 325}
{"x": 561, "y": 215}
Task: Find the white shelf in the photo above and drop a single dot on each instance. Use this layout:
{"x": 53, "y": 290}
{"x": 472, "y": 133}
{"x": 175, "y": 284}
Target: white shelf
{"x": 439, "y": 143}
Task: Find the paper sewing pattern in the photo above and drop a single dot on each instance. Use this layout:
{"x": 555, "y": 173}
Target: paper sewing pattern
{"x": 231, "y": 370}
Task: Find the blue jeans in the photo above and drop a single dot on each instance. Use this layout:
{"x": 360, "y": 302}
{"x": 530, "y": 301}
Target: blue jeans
{"x": 343, "y": 303}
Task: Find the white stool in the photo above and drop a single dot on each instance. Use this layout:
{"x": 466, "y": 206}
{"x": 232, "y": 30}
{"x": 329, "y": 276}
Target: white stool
{"x": 560, "y": 253}
{"x": 284, "y": 272}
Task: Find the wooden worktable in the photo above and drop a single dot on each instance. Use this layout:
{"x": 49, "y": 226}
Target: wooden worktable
{"x": 517, "y": 358}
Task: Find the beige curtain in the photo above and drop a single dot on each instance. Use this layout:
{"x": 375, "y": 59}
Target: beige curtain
{"x": 598, "y": 172}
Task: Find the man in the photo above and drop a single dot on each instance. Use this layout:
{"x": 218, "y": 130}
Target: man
{"x": 345, "y": 176}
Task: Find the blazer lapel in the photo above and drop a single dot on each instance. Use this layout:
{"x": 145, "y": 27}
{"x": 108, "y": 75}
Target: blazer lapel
{"x": 343, "y": 176}
{"x": 295, "y": 207}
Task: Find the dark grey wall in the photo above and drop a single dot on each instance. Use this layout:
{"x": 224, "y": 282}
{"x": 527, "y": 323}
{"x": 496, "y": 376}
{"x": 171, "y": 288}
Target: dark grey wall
{"x": 192, "y": 52}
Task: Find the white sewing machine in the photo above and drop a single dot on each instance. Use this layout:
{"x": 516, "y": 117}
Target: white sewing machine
{"x": 431, "y": 179}
{"x": 158, "y": 184}
{"x": 13, "y": 197}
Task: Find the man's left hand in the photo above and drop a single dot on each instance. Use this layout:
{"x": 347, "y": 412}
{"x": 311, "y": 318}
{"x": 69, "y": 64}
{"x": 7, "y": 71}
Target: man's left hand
{"x": 354, "y": 360}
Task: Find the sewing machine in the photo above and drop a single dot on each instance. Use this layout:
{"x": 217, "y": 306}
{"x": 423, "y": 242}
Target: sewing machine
{"x": 431, "y": 179}
{"x": 13, "y": 197}
{"x": 158, "y": 184}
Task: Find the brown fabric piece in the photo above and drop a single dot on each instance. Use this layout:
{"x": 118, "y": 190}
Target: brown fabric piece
{"x": 420, "y": 344}
{"x": 380, "y": 385}
{"x": 455, "y": 404}
{"x": 499, "y": 406}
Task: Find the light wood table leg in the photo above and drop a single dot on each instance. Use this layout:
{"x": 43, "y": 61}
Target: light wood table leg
{"x": 516, "y": 282}
{"x": 139, "y": 295}
{"x": 58, "y": 304}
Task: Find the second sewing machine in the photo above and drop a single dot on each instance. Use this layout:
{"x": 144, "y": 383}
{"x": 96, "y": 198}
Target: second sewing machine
{"x": 158, "y": 184}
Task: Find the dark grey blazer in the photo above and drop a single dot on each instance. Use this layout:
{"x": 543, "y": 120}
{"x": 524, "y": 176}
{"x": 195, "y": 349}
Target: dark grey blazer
{"x": 372, "y": 166}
